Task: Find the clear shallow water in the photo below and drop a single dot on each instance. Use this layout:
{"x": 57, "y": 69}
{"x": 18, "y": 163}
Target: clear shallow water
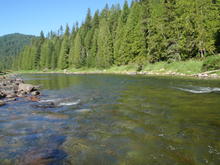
{"x": 114, "y": 119}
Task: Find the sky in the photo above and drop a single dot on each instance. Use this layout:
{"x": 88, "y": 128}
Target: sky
{"x": 32, "y": 16}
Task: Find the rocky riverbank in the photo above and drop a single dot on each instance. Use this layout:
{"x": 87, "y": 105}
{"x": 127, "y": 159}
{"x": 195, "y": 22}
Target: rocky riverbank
{"x": 12, "y": 87}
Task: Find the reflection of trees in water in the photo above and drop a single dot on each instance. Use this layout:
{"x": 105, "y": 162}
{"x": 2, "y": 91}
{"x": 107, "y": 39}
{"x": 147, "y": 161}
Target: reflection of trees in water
{"x": 56, "y": 81}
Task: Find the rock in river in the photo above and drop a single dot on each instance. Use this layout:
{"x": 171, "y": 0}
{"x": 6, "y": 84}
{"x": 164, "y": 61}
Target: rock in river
{"x": 2, "y": 103}
{"x": 11, "y": 88}
{"x": 26, "y": 88}
{"x": 35, "y": 93}
{"x": 2, "y": 95}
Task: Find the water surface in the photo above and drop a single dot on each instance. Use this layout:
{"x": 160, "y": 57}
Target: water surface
{"x": 115, "y": 120}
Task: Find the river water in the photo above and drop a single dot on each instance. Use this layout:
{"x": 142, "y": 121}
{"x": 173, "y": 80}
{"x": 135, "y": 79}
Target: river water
{"x": 113, "y": 120}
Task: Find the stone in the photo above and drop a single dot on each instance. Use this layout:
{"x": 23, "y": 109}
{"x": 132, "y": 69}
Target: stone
{"x": 45, "y": 106}
{"x": 33, "y": 98}
{"x": 26, "y": 88}
{"x": 11, "y": 95}
{"x": 2, "y": 95}
{"x": 2, "y": 103}
{"x": 35, "y": 93}
{"x": 10, "y": 99}
{"x": 21, "y": 94}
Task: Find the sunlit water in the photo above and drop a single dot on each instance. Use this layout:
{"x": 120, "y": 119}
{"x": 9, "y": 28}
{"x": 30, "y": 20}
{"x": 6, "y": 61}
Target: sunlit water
{"x": 113, "y": 119}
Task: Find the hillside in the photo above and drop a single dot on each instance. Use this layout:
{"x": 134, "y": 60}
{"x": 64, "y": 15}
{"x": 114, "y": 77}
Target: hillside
{"x": 10, "y": 46}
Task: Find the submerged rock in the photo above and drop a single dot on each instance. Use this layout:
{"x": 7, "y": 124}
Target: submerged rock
{"x": 69, "y": 101}
{"x": 43, "y": 156}
{"x": 10, "y": 99}
{"x": 45, "y": 105}
{"x": 33, "y": 98}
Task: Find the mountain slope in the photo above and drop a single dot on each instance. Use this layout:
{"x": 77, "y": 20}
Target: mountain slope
{"x": 10, "y": 46}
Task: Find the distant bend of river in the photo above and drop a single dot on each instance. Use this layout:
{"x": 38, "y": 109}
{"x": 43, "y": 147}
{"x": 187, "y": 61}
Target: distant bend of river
{"x": 113, "y": 120}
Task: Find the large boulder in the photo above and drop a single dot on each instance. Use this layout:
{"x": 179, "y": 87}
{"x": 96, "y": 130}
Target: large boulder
{"x": 26, "y": 88}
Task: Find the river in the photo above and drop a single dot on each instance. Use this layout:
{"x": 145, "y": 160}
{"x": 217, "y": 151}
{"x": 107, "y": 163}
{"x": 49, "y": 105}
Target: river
{"x": 113, "y": 120}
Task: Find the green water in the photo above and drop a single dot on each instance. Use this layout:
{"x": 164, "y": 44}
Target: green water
{"x": 114, "y": 119}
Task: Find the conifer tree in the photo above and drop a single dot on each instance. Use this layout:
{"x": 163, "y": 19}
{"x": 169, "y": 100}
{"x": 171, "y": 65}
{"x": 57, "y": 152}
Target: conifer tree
{"x": 120, "y": 33}
{"x": 38, "y": 44}
{"x": 76, "y": 52}
{"x": 105, "y": 46}
{"x": 133, "y": 44}
{"x": 63, "y": 62}
{"x": 92, "y": 40}
{"x": 55, "y": 57}
{"x": 47, "y": 51}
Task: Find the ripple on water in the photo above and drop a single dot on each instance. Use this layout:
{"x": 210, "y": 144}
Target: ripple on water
{"x": 200, "y": 90}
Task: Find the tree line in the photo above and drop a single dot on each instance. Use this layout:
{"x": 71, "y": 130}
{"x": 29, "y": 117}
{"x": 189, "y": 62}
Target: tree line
{"x": 10, "y": 46}
{"x": 146, "y": 31}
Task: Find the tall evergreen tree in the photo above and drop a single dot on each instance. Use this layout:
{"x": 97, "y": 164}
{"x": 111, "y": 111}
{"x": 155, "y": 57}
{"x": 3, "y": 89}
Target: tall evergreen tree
{"x": 63, "y": 62}
{"x": 90, "y": 61}
{"x": 76, "y": 52}
{"x": 105, "y": 46}
{"x": 38, "y": 44}
{"x": 133, "y": 46}
{"x": 120, "y": 33}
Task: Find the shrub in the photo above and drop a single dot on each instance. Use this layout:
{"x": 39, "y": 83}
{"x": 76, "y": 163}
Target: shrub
{"x": 211, "y": 63}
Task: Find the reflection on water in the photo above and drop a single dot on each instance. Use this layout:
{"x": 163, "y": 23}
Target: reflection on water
{"x": 113, "y": 119}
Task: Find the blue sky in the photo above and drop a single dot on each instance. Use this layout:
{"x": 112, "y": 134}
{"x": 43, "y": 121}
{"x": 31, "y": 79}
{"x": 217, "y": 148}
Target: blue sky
{"x": 32, "y": 16}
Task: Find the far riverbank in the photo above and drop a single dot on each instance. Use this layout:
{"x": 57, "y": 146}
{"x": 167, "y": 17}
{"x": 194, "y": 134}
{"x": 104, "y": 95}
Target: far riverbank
{"x": 190, "y": 68}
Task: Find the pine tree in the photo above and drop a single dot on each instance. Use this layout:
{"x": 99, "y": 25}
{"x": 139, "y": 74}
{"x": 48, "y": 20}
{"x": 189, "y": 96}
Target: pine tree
{"x": 63, "y": 62}
{"x": 92, "y": 41}
{"x": 120, "y": 33}
{"x": 38, "y": 44}
{"x": 55, "y": 57}
{"x": 159, "y": 27}
{"x": 76, "y": 52}
{"x": 208, "y": 23}
{"x": 47, "y": 51}
{"x": 105, "y": 46}
{"x": 133, "y": 46}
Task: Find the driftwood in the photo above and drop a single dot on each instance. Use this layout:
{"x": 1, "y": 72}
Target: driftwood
{"x": 206, "y": 74}
{"x": 210, "y": 72}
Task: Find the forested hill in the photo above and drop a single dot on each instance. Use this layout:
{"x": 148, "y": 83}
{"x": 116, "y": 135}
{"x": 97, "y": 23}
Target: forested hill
{"x": 10, "y": 46}
{"x": 147, "y": 31}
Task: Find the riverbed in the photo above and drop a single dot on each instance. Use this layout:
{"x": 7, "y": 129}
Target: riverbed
{"x": 113, "y": 119}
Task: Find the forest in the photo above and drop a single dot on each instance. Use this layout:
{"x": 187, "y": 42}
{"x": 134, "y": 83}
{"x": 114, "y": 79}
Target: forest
{"x": 143, "y": 32}
{"x": 10, "y": 46}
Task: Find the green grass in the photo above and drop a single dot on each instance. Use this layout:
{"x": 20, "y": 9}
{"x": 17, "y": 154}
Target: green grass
{"x": 182, "y": 67}
{"x": 185, "y": 67}
{"x": 211, "y": 63}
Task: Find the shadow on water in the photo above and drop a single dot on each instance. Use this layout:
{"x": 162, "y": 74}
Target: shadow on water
{"x": 113, "y": 119}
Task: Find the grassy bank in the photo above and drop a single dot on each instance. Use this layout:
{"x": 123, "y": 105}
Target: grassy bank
{"x": 182, "y": 68}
